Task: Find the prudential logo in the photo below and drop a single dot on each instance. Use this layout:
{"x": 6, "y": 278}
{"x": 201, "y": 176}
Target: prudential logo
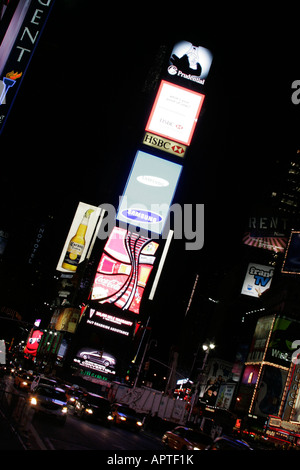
{"x": 190, "y": 62}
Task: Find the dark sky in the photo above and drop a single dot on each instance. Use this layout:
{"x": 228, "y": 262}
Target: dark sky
{"x": 80, "y": 114}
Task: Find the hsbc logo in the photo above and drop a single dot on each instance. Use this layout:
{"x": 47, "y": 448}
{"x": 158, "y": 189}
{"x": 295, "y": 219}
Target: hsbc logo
{"x": 164, "y": 144}
{"x": 178, "y": 149}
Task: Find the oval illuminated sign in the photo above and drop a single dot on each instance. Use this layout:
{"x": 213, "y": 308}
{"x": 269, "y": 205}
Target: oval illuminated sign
{"x": 140, "y": 215}
{"x": 152, "y": 180}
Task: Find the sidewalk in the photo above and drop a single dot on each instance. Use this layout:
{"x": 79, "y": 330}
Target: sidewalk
{"x": 9, "y": 437}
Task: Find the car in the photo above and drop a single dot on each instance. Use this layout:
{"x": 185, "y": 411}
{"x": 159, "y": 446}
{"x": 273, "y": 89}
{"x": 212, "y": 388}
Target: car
{"x": 228, "y": 443}
{"x": 23, "y": 380}
{"x": 98, "y": 357}
{"x": 94, "y": 407}
{"x": 73, "y": 393}
{"x": 123, "y": 415}
{"x": 42, "y": 380}
{"x": 185, "y": 438}
{"x": 49, "y": 400}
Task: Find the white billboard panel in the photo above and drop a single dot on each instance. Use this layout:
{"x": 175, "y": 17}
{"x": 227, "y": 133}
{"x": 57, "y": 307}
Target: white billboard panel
{"x": 149, "y": 192}
{"x": 175, "y": 112}
{"x": 79, "y": 237}
{"x": 257, "y": 280}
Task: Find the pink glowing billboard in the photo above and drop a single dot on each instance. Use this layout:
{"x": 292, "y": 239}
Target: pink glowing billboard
{"x": 124, "y": 269}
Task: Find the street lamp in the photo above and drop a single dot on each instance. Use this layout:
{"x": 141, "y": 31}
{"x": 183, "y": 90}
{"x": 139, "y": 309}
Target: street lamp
{"x": 207, "y": 347}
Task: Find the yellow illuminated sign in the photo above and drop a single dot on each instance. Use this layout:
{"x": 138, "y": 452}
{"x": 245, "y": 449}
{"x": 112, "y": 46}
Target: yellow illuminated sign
{"x": 167, "y": 145}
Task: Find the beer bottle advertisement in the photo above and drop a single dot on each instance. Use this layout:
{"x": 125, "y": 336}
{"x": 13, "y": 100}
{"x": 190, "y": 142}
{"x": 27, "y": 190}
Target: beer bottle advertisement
{"x": 79, "y": 237}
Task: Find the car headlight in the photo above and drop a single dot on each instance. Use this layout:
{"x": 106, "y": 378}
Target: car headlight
{"x": 89, "y": 411}
{"x": 33, "y": 401}
{"x": 110, "y": 418}
{"x": 64, "y": 409}
{"x": 122, "y": 418}
{"x": 139, "y": 423}
{"x": 24, "y": 383}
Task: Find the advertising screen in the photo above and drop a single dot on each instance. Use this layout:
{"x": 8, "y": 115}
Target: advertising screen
{"x": 124, "y": 269}
{"x": 79, "y": 237}
{"x": 277, "y": 244}
{"x": 97, "y": 360}
{"x": 291, "y": 262}
{"x": 175, "y": 112}
{"x": 190, "y": 62}
{"x": 260, "y": 337}
{"x": 258, "y": 279}
{"x": 149, "y": 192}
{"x": 111, "y": 323}
{"x": 23, "y": 21}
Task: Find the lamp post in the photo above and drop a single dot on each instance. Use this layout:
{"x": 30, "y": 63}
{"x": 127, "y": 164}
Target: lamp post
{"x": 207, "y": 347}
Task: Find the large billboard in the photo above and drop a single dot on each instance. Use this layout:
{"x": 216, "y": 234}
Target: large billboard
{"x": 291, "y": 262}
{"x": 257, "y": 280}
{"x": 23, "y": 21}
{"x": 149, "y": 192}
{"x": 124, "y": 269}
{"x": 190, "y": 62}
{"x": 79, "y": 238}
{"x": 104, "y": 345}
{"x": 175, "y": 112}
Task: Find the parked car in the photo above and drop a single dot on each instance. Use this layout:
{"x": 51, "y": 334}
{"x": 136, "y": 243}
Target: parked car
{"x": 49, "y": 400}
{"x": 42, "y": 380}
{"x": 23, "y": 380}
{"x": 125, "y": 416}
{"x": 92, "y": 406}
{"x": 228, "y": 443}
{"x": 184, "y": 438}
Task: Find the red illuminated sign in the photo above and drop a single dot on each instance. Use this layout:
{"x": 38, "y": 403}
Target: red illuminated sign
{"x": 124, "y": 269}
{"x": 175, "y": 112}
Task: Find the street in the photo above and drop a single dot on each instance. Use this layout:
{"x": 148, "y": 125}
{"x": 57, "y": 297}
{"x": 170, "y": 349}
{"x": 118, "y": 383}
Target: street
{"x": 79, "y": 434}
{"x": 45, "y": 433}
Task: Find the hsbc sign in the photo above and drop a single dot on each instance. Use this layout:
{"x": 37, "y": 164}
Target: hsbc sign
{"x": 164, "y": 144}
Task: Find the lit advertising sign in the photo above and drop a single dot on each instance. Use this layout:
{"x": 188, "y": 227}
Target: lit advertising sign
{"x": 65, "y": 319}
{"x": 97, "y": 360}
{"x": 124, "y": 269}
{"x": 166, "y": 145}
{"x": 79, "y": 237}
{"x": 257, "y": 280}
{"x": 175, "y": 112}
{"x": 110, "y": 323}
{"x": 27, "y": 21}
{"x": 291, "y": 262}
{"x": 33, "y": 343}
{"x": 149, "y": 192}
{"x": 190, "y": 62}
{"x": 275, "y": 243}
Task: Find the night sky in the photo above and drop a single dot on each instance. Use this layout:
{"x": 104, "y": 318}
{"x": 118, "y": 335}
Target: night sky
{"x": 79, "y": 118}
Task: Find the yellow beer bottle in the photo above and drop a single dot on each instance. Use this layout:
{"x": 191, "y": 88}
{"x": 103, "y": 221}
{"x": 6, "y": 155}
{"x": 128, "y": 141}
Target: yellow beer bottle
{"x": 76, "y": 244}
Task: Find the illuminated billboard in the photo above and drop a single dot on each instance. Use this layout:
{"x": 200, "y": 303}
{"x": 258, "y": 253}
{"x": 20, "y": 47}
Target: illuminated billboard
{"x": 25, "y": 21}
{"x": 111, "y": 323}
{"x": 79, "y": 238}
{"x": 149, "y": 192}
{"x": 291, "y": 262}
{"x": 276, "y": 243}
{"x": 175, "y": 112}
{"x": 257, "y": 280}
{"x": 190, "y": 62}
{"x": 124, "y": 269}
{"x": 97, "y": 360}
{"x": 65, "y": 319}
